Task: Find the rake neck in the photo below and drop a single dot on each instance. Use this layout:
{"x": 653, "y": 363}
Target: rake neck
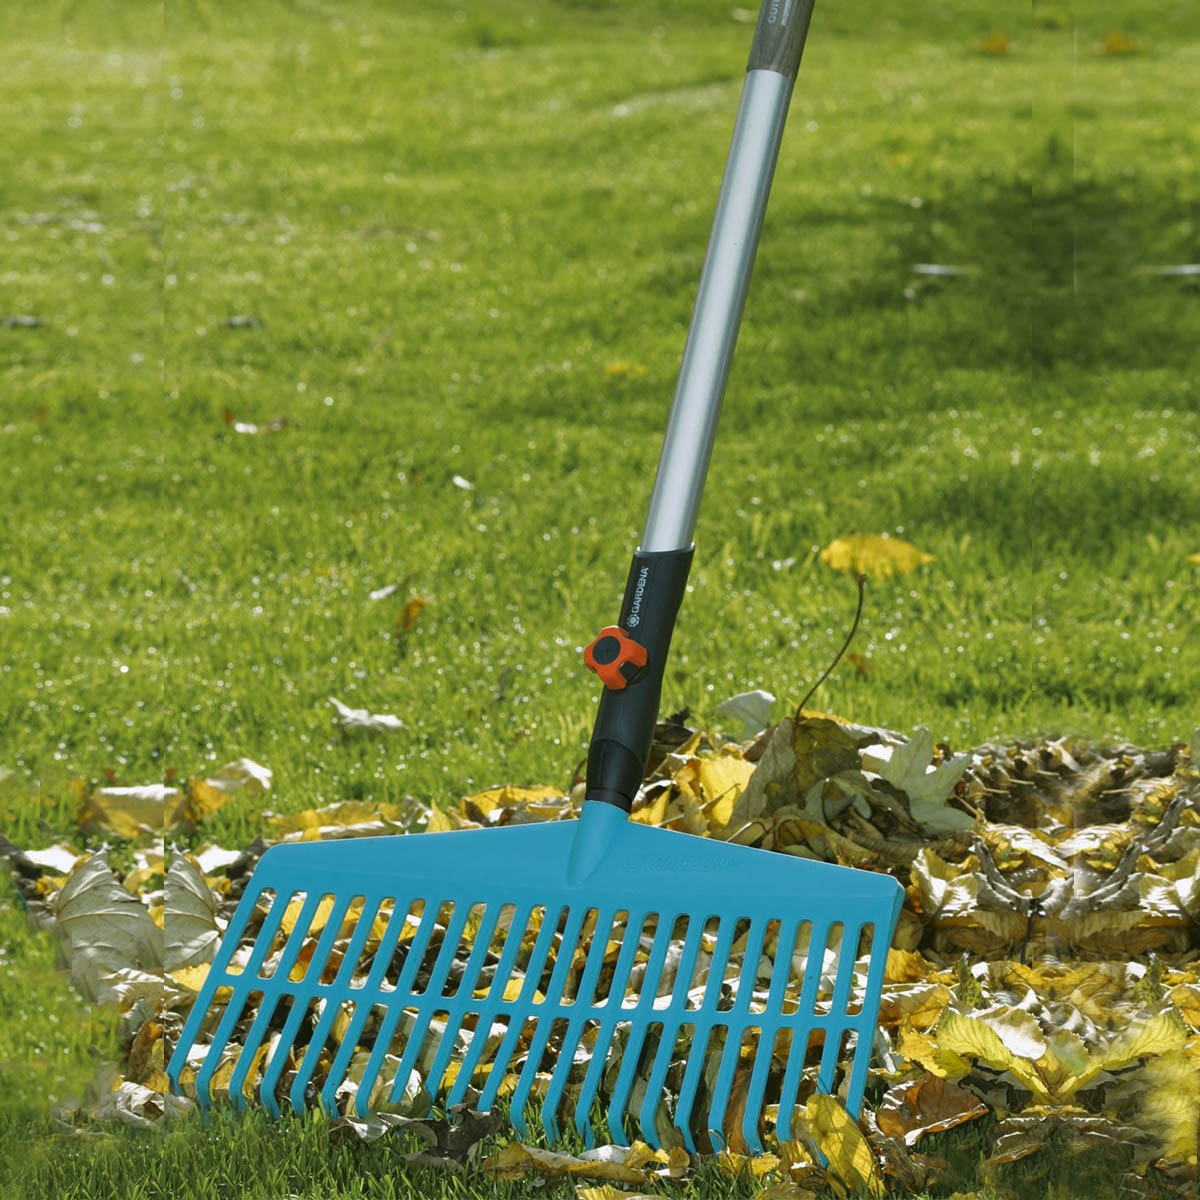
{"x": 598, "y": 826}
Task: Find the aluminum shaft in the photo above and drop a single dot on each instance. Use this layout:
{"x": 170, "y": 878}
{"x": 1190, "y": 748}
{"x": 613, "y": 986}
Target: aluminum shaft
{"x": 708, "y": 352}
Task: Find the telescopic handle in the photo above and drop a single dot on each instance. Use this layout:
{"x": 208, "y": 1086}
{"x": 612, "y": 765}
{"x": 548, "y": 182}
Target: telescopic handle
{"x": 708, "y": 352}
{"x": 631, "y": 657}
{"x": 779, "y": 37}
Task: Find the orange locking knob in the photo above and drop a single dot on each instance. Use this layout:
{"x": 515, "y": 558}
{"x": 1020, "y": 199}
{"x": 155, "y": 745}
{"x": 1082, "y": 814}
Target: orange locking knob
{"x": 615, "y": 657}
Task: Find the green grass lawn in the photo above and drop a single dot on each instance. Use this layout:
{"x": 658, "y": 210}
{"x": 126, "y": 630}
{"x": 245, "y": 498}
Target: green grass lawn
{"x": 469, "y": 240}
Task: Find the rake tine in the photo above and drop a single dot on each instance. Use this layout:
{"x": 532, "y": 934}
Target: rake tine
{"x": 491, "y": 1006}
{"x": 562, "y": 1071}
{"x": 704, "y": 1025}
{"x": 668, "y": 1035}
{"x": 608, "y": 1026}
{"x": 837, "y": 1008}
{"x": 458, "y": 1008}
{"x": 876, "y": 963}
{"x": 676, "y": 1001}
{"x": 541, "y": 949}
{"x": 300, "y": 1001}
{"x": 383, "y": 1039}
{"x": 234, "y": 1010}
{"x": 316, "y": 1044}
{"x": 734, "y": 1032}
{"x": 767, "y": 1035}
{"x": 237, "y": 1081}
{"x": 801, "y": 1031}
{"x": 225, "y": 952}
{"x": 395, "y": 1006}
{"x": 554, "y": 989}
{"x": 633, "y": 1048}
{"x": 345, "y": 1052}
{"x": 412, "y": 1050}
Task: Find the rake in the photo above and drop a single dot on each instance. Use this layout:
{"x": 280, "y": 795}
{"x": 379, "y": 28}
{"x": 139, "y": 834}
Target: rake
{"x": 614, "y": 971}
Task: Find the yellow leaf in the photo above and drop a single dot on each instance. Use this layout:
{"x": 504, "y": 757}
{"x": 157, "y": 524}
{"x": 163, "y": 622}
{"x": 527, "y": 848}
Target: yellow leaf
{"x": 342, "y": 814}
{"x": 995, "y": 44}
{"x": 761, "y": 1164}
{"x": 921, "y": 1048}
{"x": 722, "y": 780}
{"x": 205, "y": 796}
{"x": 785, "y": 1190}
{"x": 516, "y": 1161}
{"x": 730, "y": 1163}
{"x": 906, "y": 966}
{"x": 494, "y": 799}
{"x": 441, "y": 821}
{"x": 291, "y": 915}
{"x": 1194, "y": 558}
{"x": 839, "y": 1138}
{"x": 614, "y": 369}
{"x": 654, "y": 813}
{"x": 608, "y": 1192}
{"x": 407, "y": 617}
{"x": 874, "y": 554}
{"x": 136, "y": 880}
{"x": 512, "y": 991}
{"x": 191, "y": 978}
{"x": 1163, "y": 1034}
{"x": 204, "y": 799}
{"x": 130, "y": 811}
{"x": 1118, "y": 43}
{"x": 156, "y": 1081}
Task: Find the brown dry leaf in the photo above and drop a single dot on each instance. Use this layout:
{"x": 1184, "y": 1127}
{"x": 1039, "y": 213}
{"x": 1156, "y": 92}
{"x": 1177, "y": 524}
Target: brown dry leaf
{"x": 146, "y": 1060}
{"x": 873, "y": 554}
{"x": 190, "y": 924}
{"x": 800, "y": 754}
{"x": 929, "y": 1105}
{"x": 961, "y": 908}
{"x": 909, "y": 768}
{"x": 101, "y": 927}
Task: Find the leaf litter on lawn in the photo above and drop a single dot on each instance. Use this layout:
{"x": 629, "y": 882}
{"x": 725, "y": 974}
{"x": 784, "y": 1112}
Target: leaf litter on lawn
{"x": 1045, "y": 971}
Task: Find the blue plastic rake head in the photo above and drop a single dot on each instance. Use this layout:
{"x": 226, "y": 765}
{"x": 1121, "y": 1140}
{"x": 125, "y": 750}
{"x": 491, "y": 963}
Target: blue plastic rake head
{"x": 590, "y": 963}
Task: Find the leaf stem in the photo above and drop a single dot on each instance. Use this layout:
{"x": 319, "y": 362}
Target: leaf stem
{"x": 862, "y": 580}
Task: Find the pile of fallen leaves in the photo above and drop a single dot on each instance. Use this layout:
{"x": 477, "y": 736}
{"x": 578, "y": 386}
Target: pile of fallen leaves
{"x": 1044, "y": 969}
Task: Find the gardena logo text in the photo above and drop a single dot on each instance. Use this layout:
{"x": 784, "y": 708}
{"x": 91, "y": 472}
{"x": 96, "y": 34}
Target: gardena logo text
{"x": 636, "y": 606}
{"x": 685, "y": 862}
